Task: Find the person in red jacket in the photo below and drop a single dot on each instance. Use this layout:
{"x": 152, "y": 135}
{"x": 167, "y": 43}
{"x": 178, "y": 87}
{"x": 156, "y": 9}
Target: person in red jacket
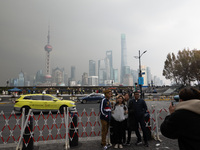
{"x": 105, "y": 116}
{"x": 183, "y": 123}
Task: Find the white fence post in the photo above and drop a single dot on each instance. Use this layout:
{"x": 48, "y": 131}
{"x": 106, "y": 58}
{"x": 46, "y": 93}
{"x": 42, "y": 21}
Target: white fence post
{"x": 66, "y": 115}
{"x": 152, "y": 121}
{"x": 157, "y": 133}
{"x": 24, "y": 126}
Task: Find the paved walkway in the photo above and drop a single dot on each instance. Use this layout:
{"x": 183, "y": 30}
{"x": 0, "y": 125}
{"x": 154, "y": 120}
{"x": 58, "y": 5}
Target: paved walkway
{"x": 94, "y": 144}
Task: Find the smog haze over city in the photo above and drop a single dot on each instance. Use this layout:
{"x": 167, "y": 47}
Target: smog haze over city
{"x": 86, "y": 29}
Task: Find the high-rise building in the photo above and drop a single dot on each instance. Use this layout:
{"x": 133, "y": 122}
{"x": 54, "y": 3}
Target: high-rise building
{"x": 92, "y": 68}
{"x": 128, "y": 80}
{"x": 73, "y": 74}
{"x": 149, "y": 76}
{"x": 84, "y": 79}
{"x": 66, "y": 79}
{"x": 58, "y": 76}
{"x": 93, "y": 81}
{"x": 134, "y": 73}
{"x": 21, "y": 79}
{"x": 115, "y": 75}
{"x": 123, "y": 56}
{"x": 102, "y": 71}
{"x": 127, "y": 75}
{"x": 110, "y": 63}
{"x": 48, "y": 49}
{"x": 39, "y": 78}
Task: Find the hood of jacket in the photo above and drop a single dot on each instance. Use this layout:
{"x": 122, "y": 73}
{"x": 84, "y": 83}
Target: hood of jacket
{"x": 191, "y": 105}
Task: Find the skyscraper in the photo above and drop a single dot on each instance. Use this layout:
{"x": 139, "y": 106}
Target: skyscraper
{"x": 109, "y": 56}
{"x": 102, "y": 71}
{"x": 73, "y": 69}
{"x": 84, "y": 79}
{"x": 92, "y": 68}
{"x": 115, "y": 75}
{"x": 123, "y": 57}
{"x": 21, "y": 79}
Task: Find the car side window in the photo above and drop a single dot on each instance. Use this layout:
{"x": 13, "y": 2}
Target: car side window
{"x": 27, "y": 97}
{"x": 48, "y": 98}
{"x": 37, "y": 97}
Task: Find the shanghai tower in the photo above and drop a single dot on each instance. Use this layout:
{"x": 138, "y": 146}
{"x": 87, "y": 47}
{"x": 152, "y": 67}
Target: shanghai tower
{"x": 123, "y": 57}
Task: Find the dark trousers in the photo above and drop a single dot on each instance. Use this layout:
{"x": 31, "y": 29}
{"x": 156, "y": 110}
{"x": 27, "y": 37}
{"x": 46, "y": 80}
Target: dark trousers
{"x": 125, "y": 129}
{"x": 118, "y": 130}
{"x": 143, "y": 127}
{"x": 129, "y": 136}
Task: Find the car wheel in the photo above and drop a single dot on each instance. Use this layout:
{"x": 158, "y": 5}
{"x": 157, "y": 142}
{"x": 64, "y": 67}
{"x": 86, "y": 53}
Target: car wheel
{"x": 62, "y": 109}
{"x": 26, "y": 109}
{"x": 84, "y": 101}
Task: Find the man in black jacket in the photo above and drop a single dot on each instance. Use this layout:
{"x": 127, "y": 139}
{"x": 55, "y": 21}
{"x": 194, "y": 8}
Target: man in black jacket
{"x": 140, "y": 108}
{"x": 183, "y": 123}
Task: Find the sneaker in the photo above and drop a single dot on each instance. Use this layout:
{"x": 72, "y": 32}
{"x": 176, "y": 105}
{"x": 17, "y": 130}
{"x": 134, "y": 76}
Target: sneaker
{"x": 146, "y": 144}
{"x": 109, "y": 145}
{"x": 116, "y": 146}
{"x": 128, "y": 144}
{"x": 138, "y": 143}
{"x": 120, "y": 146}
{"x": 105, "y": 148}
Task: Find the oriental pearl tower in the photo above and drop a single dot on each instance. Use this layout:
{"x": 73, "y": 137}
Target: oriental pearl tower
{"x": 48, "y": 49}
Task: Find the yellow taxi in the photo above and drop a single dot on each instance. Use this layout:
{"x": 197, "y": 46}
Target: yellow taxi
{"x": 43, "y": 102}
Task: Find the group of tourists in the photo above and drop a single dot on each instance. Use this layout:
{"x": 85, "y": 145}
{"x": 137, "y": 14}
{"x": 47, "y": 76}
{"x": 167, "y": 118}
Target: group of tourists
{"x": 182, "y": 123}
{"x": 122, "y": 117}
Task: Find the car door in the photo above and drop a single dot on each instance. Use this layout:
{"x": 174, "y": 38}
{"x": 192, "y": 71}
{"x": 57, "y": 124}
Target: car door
{"x": 92, "y": 97}
{"x": 50, "y": 103}
{"x": 37, "y": 102}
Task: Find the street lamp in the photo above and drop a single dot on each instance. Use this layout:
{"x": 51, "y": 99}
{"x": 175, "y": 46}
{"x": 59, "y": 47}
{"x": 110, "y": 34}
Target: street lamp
{"x": 140, "y": 79}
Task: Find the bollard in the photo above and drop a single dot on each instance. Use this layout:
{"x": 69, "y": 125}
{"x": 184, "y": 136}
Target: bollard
{"x": 73, "y": 130}
{"x": 28, "y": 139}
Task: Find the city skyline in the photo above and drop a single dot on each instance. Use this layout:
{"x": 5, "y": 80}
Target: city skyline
{"x": 107, "y": 75}
{"x": 85, "y": 30}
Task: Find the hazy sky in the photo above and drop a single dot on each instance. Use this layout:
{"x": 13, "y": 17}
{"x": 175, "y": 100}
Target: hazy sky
{"x": 86, "y": 29}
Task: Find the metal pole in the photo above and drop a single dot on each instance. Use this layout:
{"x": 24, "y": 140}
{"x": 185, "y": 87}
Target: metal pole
{"x": 140, "y": 75}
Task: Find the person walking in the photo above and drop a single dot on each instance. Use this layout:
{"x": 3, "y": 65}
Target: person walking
{"x": 140, "y": 107}
{"x": 105, "y": 116}
{"x": 183, "y": 123}
{"x": 118, "y": 113}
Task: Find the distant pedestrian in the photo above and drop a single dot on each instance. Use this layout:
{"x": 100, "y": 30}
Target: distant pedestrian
{"x": 44, "y": 92}
{"x": 119, "y": 113}
{"x": 140, "y": 109}
{"x": 183, "y": 123}
{"x": 57, "y": 92}
{"x": 105, "y": 116}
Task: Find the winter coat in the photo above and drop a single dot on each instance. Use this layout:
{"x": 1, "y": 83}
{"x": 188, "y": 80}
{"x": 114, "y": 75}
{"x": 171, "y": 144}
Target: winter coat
{"x": 140, "y": 108}
{"x": 184, "y": 125}
{"x": 105, "y": 110}
{"x": 131, "y": 122}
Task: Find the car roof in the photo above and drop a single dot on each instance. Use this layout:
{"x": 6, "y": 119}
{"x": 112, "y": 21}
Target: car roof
{"x": 36, "y": 95}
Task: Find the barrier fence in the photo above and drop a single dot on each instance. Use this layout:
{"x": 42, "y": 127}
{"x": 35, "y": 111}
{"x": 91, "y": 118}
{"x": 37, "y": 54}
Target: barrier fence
{"x": 65, "y": 127}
